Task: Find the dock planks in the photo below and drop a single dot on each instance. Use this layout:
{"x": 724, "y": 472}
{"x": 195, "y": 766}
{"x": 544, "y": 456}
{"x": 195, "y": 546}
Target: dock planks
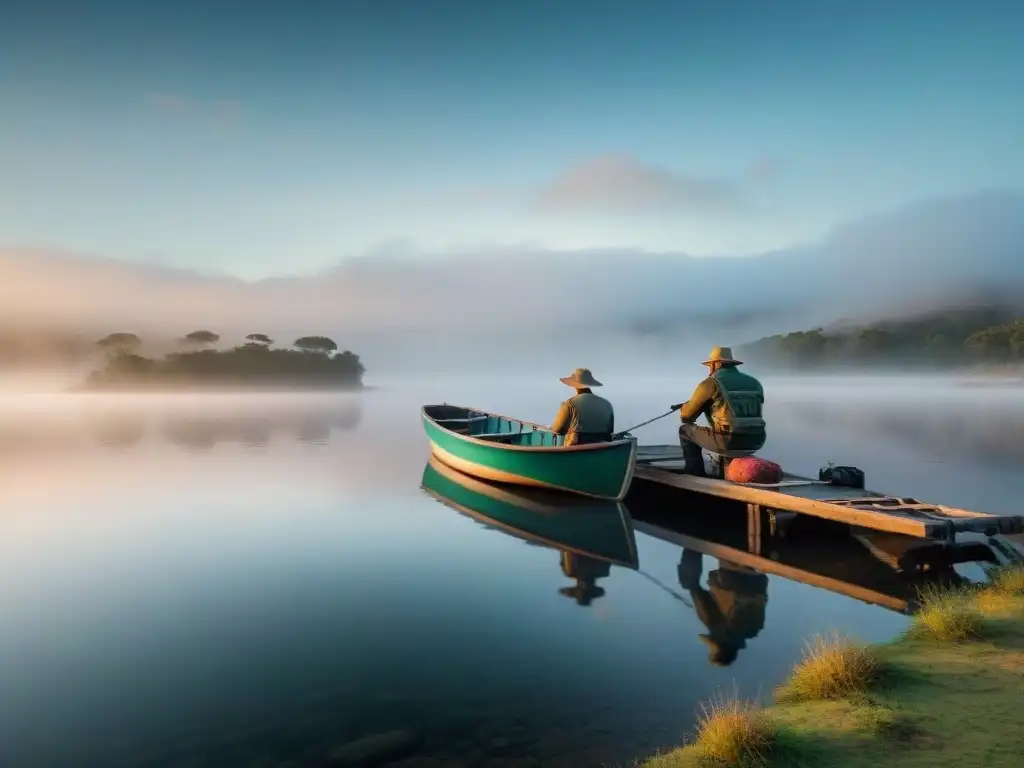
{"x": 862, "y": 508}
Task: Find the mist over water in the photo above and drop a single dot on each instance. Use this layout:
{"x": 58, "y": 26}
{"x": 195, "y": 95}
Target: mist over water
{"x": 239, "y": 577}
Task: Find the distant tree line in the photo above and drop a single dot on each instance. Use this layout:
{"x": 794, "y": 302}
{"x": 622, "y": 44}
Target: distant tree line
{"x": 947, "y": 339}
{"x": 310, "y": 361}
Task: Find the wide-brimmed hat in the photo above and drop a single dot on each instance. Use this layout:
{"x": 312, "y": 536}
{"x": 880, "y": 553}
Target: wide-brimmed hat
{"x": 581, "y": 377}
{"x": 721, "y": 654}
{"x": 722, "y": 355}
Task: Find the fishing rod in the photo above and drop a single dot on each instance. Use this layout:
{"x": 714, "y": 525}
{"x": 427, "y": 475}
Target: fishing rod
{"x": 674, "y": 408}
{"x": 666, "y": 588}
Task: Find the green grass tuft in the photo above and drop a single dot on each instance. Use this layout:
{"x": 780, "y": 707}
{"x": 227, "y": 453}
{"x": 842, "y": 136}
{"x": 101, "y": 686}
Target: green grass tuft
{"x": 831, "y": 668}
{"x": 949, "y": 615}
{"x": 941, "y": 704}
{"x": 887, "y": 723}
{"x": 1008, "y": 580}
{"x": 733, "y": 732}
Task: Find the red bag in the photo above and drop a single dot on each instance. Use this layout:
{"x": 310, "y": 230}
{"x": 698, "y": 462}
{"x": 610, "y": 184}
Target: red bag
{"x": 750, "y": 469}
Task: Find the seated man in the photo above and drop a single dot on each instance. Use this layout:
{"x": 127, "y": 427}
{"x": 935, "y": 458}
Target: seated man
{"x": 731, "y": 402}
{"x": 585, "y": 418}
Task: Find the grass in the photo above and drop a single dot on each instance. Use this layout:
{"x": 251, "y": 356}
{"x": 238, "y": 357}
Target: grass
{"x": 831, "y": 668}
{"x": 1008, "y": 580}
{"x": 733, "y": 732}
{"x": 730, "y": 732}
{"x": 946, "y": 695}
{"x": 948, "y": 615}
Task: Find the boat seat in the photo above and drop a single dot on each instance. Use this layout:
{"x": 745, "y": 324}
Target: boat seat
{"x": 453, "y": 421}
{"x": 497, "y": 437}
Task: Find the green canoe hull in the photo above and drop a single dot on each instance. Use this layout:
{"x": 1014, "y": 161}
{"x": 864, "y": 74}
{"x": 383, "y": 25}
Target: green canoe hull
{"x": 594, "y": 528}
{"x": 504, "y": 450}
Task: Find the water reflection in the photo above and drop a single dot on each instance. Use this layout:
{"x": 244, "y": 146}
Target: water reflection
{"x": 251, "y": 425}
{"x": 118, "y": 431}
{"x": 591, "y": 535}
{"x": 886, "y": 570}
{"x": 732, "y": 606}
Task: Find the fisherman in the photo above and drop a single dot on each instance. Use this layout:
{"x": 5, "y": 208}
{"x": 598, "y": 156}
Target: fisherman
{"x": 731, "y": 402}
{"x": 586, "y": 417}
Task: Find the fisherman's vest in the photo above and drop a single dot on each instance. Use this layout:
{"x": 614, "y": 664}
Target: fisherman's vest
{"x": 737, "y": 409}
{"x": 592, "y": 420}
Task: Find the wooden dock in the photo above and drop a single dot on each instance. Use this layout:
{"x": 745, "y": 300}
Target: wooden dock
{"x": 855, "y": 563}
{"x": 868, "y": 509}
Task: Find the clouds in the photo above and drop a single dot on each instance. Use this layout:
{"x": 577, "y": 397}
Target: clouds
{"x": 621, "y": 184}
{"x": 218, "y": 113}
{"x": 533, "y": 291}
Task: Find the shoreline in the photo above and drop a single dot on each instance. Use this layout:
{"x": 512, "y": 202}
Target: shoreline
{"x": 945, "y": 693}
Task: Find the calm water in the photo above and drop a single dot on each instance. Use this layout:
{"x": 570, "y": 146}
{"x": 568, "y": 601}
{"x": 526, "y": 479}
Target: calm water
{"x": 251, "y": 579}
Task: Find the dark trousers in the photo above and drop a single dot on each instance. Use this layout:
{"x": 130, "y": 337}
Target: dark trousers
{"x": 695, "y": 440}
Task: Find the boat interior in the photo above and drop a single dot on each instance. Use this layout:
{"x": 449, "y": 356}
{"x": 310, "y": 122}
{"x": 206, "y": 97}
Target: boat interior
{"x": 486, "y": 426}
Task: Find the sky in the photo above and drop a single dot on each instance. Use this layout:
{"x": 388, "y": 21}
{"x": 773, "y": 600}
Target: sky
{"x": 256, "y": 138}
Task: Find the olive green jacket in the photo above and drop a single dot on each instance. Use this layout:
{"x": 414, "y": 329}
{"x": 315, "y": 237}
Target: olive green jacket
{"x": 731, "y": 400}
{"x": 585, "y": 418}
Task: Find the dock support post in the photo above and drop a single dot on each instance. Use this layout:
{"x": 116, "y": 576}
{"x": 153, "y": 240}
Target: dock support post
{"x": 754, "y": 528}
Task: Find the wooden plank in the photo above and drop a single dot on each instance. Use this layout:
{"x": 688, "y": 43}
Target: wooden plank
{"x": 773, "y": 567}
{"x": 877, "y": 520}
{"x": 853, "y": 500}
{"x": 852, "y": 506}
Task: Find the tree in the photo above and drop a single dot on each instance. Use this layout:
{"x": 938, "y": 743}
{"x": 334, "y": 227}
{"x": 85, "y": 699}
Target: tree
{"x": 318, "y": 344}
{"x": 201, "y": 338}
{"x": 990, "y": 343}
{"x": 119, "y": 342}
{"x": 258, "y": 340}
{"x": 872, "y": 343}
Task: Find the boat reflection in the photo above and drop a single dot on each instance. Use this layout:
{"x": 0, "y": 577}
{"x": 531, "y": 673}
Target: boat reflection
{"x": 734, "y": 555}
{"x": 591, "y": 535}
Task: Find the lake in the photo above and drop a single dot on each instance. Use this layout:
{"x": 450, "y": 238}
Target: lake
{"x": 259, "y": 580}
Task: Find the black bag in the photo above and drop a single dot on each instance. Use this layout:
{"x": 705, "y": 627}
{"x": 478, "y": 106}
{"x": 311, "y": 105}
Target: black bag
{"x": 843, "y": 477}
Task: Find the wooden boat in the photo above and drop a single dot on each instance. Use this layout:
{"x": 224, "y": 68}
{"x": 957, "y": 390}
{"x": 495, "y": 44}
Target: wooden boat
{"x": 595, "y": 528}
{"x": 505, "y": 450}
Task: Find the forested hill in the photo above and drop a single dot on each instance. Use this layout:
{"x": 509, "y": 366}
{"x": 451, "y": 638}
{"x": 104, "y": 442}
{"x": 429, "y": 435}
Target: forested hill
{"x": 949, "y": 338}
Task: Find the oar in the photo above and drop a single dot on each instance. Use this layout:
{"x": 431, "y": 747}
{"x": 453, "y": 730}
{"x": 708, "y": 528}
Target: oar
{"x": 675, "y": 408}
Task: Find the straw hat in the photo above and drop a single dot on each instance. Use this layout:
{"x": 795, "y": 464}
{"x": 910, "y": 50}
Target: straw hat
{"x": 721, "y": 654}
{"x": 722, "y": 355}
{"x": 581, "y": 377}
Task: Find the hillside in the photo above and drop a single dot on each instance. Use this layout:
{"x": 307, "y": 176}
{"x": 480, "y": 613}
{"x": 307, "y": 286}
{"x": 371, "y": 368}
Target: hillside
{"x": 948, "y": 338}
